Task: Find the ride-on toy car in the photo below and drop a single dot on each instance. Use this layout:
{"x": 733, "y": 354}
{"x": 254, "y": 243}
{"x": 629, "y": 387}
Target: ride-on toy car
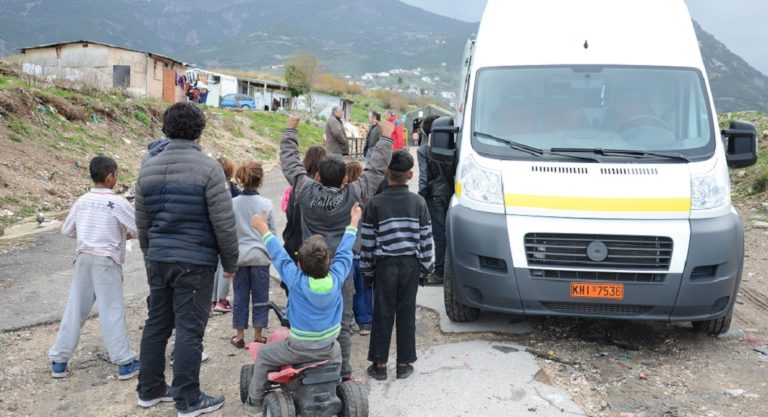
{"x": 311, "y": 389}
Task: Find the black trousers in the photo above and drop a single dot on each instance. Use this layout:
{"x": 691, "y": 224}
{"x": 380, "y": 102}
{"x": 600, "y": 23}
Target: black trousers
{"x": 396, "y": 281}
{"x": 180, "y": 297}
{"x": 438, "y": 211}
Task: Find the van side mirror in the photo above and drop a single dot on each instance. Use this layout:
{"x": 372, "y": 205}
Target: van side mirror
{"x": 741, "y": 144}
{"x": 442, "y": 140}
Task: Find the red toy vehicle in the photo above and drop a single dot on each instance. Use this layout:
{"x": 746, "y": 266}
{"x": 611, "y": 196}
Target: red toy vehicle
{"x": 312, "y": 389}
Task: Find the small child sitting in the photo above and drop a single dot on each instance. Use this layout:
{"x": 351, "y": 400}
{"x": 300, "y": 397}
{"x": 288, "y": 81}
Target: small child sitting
{"x": 316, "y": 304}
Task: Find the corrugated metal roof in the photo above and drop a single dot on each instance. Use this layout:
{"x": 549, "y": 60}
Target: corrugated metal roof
{"x": 51, "y": 45}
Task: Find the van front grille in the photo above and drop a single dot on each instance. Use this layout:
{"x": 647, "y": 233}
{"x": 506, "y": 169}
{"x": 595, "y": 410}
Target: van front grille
{"x": 594, "y": 308}
{"x": 598, "y": 251}
{"x": 636, "y": 277}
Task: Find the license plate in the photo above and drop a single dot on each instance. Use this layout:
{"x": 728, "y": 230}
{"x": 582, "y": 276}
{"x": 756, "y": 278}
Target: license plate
{"x": 600, "y": 291}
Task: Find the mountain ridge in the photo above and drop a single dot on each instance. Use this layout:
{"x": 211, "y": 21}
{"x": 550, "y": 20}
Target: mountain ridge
{"x": 349, "y": 37}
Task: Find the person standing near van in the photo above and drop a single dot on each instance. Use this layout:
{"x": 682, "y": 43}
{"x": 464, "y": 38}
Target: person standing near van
{"x": 436, "y": 186}
{"x": 396, "y": 251}
{"x": 335, "y": 136}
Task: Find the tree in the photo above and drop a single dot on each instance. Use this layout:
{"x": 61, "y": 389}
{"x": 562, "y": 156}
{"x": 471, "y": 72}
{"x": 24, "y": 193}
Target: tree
{"x": 400, "y": 80}
{"x": 301, "y": 74}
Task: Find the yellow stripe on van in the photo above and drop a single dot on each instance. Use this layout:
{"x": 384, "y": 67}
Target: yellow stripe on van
{"x": 598, "y": 204}
{"x": 457, "y": 189}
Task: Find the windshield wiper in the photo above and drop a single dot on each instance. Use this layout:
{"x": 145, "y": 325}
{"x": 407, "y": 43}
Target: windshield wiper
{"x": 623, "y": 152}
{"x": 512, "y": 144}
{"x": 529, "y": 149}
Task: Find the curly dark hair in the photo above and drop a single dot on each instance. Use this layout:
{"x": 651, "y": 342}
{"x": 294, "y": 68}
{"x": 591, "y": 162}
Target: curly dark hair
{"x": 315, "y": 257}
{"x": 183, "y": 121}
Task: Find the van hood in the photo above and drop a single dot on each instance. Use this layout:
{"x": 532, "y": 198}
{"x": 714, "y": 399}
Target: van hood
{"x": 602, "y": 191}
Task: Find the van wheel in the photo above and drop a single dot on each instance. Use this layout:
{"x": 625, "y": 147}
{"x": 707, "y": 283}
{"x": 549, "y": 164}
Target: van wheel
{"x": 455, "y": 310}
{"x": 354, "y": 399}
{"x": 279, "y": 404}
{"x": 716, "y": 326}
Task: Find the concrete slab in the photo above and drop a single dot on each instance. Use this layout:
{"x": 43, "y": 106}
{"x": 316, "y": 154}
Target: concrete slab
{"x": 432, "y": 298}
{"x": 448, "y": 381}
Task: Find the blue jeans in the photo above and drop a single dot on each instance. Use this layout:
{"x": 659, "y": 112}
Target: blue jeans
{"x": 363, "y": 302}
{"x": 251, "y": 288}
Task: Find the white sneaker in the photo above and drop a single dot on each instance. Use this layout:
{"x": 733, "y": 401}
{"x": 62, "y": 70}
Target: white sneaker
{"x": 203, "y": 359}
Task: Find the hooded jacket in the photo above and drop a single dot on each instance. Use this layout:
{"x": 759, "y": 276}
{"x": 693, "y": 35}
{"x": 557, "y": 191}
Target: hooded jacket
{"x": 398, "y": 135}
{"x": 325, "y": 210}
{"x": 184, "y": 210}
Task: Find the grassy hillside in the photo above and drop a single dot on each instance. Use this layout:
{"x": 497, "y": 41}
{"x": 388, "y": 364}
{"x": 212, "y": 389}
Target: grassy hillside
{"x": 49, "y": 134}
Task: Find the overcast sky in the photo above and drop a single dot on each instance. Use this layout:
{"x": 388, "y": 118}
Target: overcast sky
{"x": 740, "y": 24}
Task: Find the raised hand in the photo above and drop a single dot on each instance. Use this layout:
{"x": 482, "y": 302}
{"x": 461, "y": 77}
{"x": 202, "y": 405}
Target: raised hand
{"x": 293, "y": 122}
{"x": 259, "y": 222}
{"x": 356, "y": 213}
{"x": 387, "y": 128}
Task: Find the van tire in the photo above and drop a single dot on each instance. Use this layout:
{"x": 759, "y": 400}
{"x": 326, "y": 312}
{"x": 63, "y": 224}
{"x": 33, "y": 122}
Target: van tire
{"x": 456, "y": 311}
{"x": 716, "y": 326}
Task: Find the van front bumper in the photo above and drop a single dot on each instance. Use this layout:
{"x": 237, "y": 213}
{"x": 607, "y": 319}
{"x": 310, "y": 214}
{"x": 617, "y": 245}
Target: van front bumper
{"x": 485, "y": 276}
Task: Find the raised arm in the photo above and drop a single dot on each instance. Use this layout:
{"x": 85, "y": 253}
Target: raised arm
{"x": 290, "y": 157}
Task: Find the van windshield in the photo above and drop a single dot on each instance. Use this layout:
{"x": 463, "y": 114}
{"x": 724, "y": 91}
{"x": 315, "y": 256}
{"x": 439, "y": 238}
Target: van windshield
{"x": 614, "y": 112}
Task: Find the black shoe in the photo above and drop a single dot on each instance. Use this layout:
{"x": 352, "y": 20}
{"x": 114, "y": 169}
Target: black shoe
{"x": 404, "y": 370}
{"x": 207, "y": 404}
{"x": 379, "y": 374}
{"x": 435, "y": 280}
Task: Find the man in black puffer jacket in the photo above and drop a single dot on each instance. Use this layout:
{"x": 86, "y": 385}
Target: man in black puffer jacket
{"x": 185, "y": 222}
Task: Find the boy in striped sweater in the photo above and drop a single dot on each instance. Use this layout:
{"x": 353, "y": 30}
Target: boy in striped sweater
{"x": 314, "y": 295}
{"x": 397, "y": 249}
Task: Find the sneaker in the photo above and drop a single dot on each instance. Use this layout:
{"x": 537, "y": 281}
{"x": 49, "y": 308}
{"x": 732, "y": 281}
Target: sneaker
{"x": 207, "y": 404}
{"x": 379, "y": 374}
{"x": 404, "y": 370}
{"x": 203, "y": 358}
{"x": 128, "y": 371}
{"x": 365, "y": 329}
{"x": 59, "y": 370}
{"x": 223, "y": 306}
{"x": 165, "y": 398}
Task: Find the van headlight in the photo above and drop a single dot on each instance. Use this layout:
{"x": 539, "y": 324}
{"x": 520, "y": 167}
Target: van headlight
{"x": 480, "y": 184}
{"x": 711, "y": 189}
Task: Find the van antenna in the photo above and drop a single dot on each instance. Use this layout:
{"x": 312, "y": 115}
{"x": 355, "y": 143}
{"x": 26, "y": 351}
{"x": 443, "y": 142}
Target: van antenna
{"x": 586, "y": 45}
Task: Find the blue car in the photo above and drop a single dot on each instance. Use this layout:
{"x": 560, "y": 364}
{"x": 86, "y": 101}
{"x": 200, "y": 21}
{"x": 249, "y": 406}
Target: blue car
{"x": 238, "y": 101}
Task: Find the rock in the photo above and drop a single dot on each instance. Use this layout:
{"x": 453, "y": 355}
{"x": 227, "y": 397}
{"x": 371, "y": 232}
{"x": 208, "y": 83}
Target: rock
{"x": 742, "y": 174}
{"x": 735, "y": 392}
{"x": 765, "y": 206}
{"x": 733, "y": 334}
{"x": 751, "y": 396}
{"x": 756, "y": 224}
{"x": 625, "y": 414}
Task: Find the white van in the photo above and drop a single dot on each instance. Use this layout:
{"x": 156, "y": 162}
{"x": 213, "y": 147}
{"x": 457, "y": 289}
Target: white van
{"x": 591, "y": 174}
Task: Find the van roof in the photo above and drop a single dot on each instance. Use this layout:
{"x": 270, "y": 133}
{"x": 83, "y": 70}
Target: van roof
{"x": 617, "y": 32}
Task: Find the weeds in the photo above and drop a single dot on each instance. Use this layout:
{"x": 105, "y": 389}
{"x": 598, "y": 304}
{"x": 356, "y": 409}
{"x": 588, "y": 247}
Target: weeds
{"x": 142, "y": 118}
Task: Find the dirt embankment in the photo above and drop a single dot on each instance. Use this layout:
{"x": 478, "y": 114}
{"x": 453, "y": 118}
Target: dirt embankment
{"x": 48, "y": 134}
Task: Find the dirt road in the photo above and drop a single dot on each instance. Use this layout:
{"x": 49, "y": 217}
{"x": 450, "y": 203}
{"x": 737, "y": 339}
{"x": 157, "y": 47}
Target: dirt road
{"x": 611, "y": 368}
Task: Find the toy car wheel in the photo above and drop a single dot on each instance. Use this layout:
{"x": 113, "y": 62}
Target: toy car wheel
{"x": 279, "y": 404}
{"x": 245, "y": 107}
{"x": 354, "y": 399}
{"x": 245, "y": 379}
